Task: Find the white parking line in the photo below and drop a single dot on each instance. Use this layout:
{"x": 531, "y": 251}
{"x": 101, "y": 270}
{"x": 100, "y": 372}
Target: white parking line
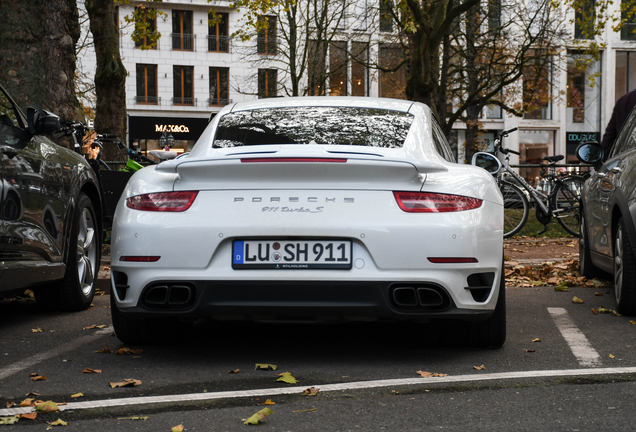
{"x": 581, "y": 348}
{"x": 325, "y": 388}
{"x": 31, "y": 361}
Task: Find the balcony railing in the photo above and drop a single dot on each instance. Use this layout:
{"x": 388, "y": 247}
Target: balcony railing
{"x": 184, "y": 101}
{"x": 219, "y": 102}
{"x": 218, "y": 43}
{"x": 147, "y": 100}
{"x": 183, "y": 42}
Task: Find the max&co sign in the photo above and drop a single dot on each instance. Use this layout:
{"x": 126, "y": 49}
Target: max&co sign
{"x": 171, "y": 128}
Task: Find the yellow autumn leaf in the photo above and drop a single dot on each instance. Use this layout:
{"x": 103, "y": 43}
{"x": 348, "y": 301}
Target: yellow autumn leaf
{"x": 37, "y": 330}
{"x": 177, "y": 429}
{"x": 430, "y": 374}
{"x": 59, "y": 422}
{"x": 575, "y": 299}
{"x": 287, "y": 378}
{"x": 265, "y": 366}
{"x": 269, "y": 402}
{"x": 536, "y": 340}
{"x": 611, "y": 356}
{"x": 9, "y": 420}
{"x": 482, "y": 367}
{"x": 77, "y": 395}
{"x": 46, "y": 407}
{"x": 258, "y": 417}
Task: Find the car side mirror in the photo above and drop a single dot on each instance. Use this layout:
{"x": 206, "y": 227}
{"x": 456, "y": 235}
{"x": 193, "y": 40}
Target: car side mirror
{"x": 589, "y": 152}
{"x": 487, "y": 161}
{"x": 42, "y": 122}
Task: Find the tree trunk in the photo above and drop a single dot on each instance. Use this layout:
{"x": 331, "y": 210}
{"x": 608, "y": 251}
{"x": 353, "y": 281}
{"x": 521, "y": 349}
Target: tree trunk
{"x": 37, "y": 54}
{"x": 110, "y": 77}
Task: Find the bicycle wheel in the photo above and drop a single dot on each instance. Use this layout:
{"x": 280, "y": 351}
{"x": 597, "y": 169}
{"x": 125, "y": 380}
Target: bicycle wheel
{"x": 516, "y": 208}
{"x": 566, "y": 204}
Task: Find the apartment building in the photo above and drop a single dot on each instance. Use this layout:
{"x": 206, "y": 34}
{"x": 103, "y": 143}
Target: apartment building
{"x": 196, "y": 69}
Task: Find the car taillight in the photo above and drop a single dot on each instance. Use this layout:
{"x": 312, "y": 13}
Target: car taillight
{"x": 163, "y": 201}
{"x": 427, "y": 202}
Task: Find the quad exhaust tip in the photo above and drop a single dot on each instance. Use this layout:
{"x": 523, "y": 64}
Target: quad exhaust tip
{"x": 412, "y": 297}
{"x": 169, "y": 296}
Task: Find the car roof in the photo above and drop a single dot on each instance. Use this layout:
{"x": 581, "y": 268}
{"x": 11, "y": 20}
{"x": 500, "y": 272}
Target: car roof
{"x": 326, "y": 101}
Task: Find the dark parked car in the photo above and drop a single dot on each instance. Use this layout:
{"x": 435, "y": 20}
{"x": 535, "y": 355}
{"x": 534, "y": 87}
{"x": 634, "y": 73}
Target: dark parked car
{"x": 50, "y": 212}
{"x": 608, "y": 233}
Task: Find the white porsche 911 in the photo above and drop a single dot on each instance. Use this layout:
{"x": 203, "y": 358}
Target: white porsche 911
{"x": 323, "y": 208}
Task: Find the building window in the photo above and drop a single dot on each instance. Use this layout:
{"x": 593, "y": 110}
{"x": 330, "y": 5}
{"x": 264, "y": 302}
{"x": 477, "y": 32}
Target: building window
{"x": 628, "y": 15}
{"x": 182, "y": 37}
{"x": 146, "y": 23}
{"x": 625, "y": 73}
{"x": 267, "y": 83}
{"x": 359, "y": 70}
{"x": 183, "y": 85}
{"x": 219, "y": 86}
{"x": 584, "y": 17}
{"x": 494, "y": 15}
{"x": 537, "y": 87}
{"x": 147, "y": 84}
{"x": 576, "y": 93}
{"x": 583, "y": 110}
{"x": 266, "y": 39}
{"x": 386, "y": 19}
{"x": 338, "y": 69}
{"x": 317, "y": 68}
{"x": 534, "y": 145}
{"x": 218, "y": 34}
{"x": 392, "y": 72}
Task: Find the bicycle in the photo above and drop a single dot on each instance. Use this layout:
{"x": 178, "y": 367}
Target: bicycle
{"x": 561, "y": 200}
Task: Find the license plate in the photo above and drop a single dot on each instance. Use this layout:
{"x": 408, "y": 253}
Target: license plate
{"x": 291, "y": 254}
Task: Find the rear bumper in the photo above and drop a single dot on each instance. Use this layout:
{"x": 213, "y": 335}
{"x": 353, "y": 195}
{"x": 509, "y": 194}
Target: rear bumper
{"x": 301, "y": 301}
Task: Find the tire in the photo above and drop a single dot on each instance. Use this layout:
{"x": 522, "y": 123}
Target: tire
{"x": 624, "y": 272}
{"x": 147, "y": 331}
{"x": 586, "y": 267}
{"x": 486, "y": 334}
{"x": 76, "y": 290}
{"x": 567, "y": 201}
{"x": 516, "y": 208}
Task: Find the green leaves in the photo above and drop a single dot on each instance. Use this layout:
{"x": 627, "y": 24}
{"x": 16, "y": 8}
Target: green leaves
{"x": 258, "y": 417}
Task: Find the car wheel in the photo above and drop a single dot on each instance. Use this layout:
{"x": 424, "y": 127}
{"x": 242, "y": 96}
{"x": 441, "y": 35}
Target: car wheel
{"x": 76, "y": 290}
{"x": 586, "y": 267}
{"x": 486, "y": 334}
{"x": 624, "y": 272}
{"x": 147, "y": 331}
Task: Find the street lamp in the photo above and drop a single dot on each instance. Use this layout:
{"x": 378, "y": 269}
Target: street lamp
{"x": 166, "y": 140}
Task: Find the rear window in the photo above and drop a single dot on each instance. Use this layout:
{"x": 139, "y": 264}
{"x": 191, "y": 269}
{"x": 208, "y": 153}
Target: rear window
{"x": 314, "y": 125}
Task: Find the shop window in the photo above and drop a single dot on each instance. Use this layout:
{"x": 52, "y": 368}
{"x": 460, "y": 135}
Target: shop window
{"x": 146, "y": 21}
{"x": 625, "y": 73}
{"x": 534, "y": 145}
{"x": 266, "y": 38}
{"x": 219, "y": 86}
{"x": 359, "y": 70}
{"x": 267, "y": 83}
{"x": 146, "y": 84}
{"x": 584, "y": 17}
{"x": 183, "y": 85}
{"x": 392, "y": 71}
{"x": 182, "y": 36}
{"x": 218, "y": 34}
{"x": 338, "y": 69}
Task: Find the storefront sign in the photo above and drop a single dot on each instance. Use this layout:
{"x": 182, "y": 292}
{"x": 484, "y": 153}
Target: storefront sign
{"x": 572, "y": 138}
{"x": 171, "y": 128}
{"x": 181, "y": 128}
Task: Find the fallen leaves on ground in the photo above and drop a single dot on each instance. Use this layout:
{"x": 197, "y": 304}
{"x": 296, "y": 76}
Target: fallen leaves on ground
{"x": 177, "y": 429}
{"x": 37, "y": 377}
{"x": 269, "y": 402}
{"x": 46, "y": 407}
{"x": 536, "y": 340}
{"x": 233, "y": 371}
{"x": 10, "y": 403}
{"x": 430, "y": 374}
{"x": 602, "y": 310}
{"x": 531, "y": 350}
{"x": 26, "y": 402}
{"x": 9, "y": 420}
{"x": 560, "y": 275}
{"x": 482, "y": 367}
{"x": 37, "y": 330}
{"x": 133, "y": 418}
{"x": 30, "y": 416}
{"x": 287, "y": 378}
{"x": 265, "y": 366}
{"x": 94, "y": 326}
{"x": 105, "y": 351}
{"x": 89, "y": 370}
{"x": 611, "y": 356}
{"x": 258, "y": 417}
{"x": 59, "y": 422}
{"x": 307, "y": 410}
{"x": 575, "y": 299}
{"x": 77, "y": 395}
{"x": 129, "y": 382}
{"x": 310, "y": 391}
{"x": 128, "y": 351}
